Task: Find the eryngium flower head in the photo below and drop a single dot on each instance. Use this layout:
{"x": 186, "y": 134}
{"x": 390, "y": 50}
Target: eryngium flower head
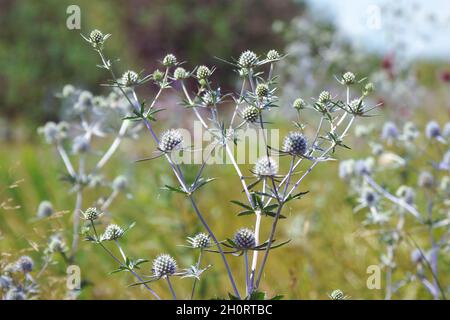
{"x": 410, "y": 131}
{"x": 426, "y": 180}
{"x": 45, "y": 209}
{"x": 324, "y": 97}
{"x": 262, "y": 90}
{"x": 80, "y": 144}
{"x": 368, "y": 88}
{"x": 112, "y": 232}
{"x": 368, "y": 197}
{"x": 170, "y": 140}
{"x": 164, "y": 265}
{"x": 406, "y": 193}
{"x": 129, "y": 78}
{"x": 24, "y": 264}
{"x": 299, "y": 104}
{"x": 56, "y": 244}
{"x": 203, "y": 72}
{"x": 244, "y": 238}
{"x": 273, "y": 55}
{"x": 248, "y": 59}
{"x": 295, "y": 144}
{"x": 346, "y": 169}
{"x": 364, "y": 166}
{"x": 250, "y": 114}
{"x": 337, "y": 295}
{"x": 432, "y": 130}
{"x": 200, "y": 240}
{"x": 53, "y": 132}
{"x": 266, "y": 166}
{"x": 169, "y": 60}
{"x": 96, "y": 36}
{"x": 348, "y": 78}
{"x": 92, "y": 214}
{"x": 158, "y": 75}
{"x": 180, "y": 73}
{"x": 389, "y": 132}
{"x": 120, "y": 183}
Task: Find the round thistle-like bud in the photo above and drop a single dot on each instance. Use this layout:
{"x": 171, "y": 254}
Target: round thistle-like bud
{"x": 120, "y": 183}
{"x": 201, "y": 240}
{"x": 56, "y": 244}
{"x": 410, "y": 131}
{"x": 45, "y": 209}
{"x": 348, "y": 78}
{"x": 295, "y": 144}
{"x": 129, "y": 78}
{"x": 432, "y": 130}
{"x": 299, "y": 104}
{"x": 158, "y": 75}
{"x": 169, "y": 60}
{"x": 262, "y": 90}
{"x": 208, "y": 98}
{"x": 369, "y": 88}
{"x": 337, "y": 295}
{"x": 180, "y": 73}
{"x": 266, "y": 166}
{"x": 244, "y": 238}
{"x": 170, "y": 140}
{"x": 369, "y": 197}
{"x": 250, "y": 114}
{"x": 80, "y": 145}
{"x": 390, "y": 131}
{"x": 364, "y": 166}
{"x": 426, "y": 180}
{"x": 203, "y": 72}
{"x": 112, "y": 232}
{"x": 248, "y": 59}
{"x": 92, "y": 214}
{"x": 96, "y": 36}
{"x": 273, "y": 55}
{"x": 25, "y": 264}
{"x": 406, "y": 193}
{"x": 164, "y": 265}
{"x": 324, "y": 97}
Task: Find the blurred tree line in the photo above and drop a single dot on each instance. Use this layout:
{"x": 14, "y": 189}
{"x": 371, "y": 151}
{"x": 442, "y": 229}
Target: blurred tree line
{"x": 38, "y": 54}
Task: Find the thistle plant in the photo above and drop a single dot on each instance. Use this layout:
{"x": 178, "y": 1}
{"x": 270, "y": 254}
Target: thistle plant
{"x": 404, "y": 187}
{"x": 266, "y": 192}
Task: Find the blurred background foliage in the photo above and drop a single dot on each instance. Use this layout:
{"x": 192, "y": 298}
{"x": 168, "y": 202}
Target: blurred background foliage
{"x": 39, "y": 55}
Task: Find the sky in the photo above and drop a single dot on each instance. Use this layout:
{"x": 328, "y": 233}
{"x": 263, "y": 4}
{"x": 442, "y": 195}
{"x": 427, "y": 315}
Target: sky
{"x": 421, "y": 27}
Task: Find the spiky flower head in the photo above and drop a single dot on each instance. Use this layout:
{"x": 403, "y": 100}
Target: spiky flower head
{"x": 45, "y": 209}
{"x": 369, "y": 197}
{"x": 120, "y": 183}
{"x": 92, "y": 214}
{"x": 324, "y": 97}
{"x": 299, "y": 104}
{"x": 432, "y": 130}
{"x": 248, "y": 59}
{"x": 368, "y": 88}
{"x": 170, "y": 140}
{"x": 164, "y": 265}
{"x": 406, "y": 193}
{"x": 295, "y": 143}
{"x": 425, "y": 180}
{"x": 348, "y": 78}
{"x": 96, "y": 36}
{"x": 203, "y": 72}
{"x": 209, "y": 98}
{"x": 180, "y": 73}
{"x": 169, "y": 60}
{"x": 262, "y": 90}
{"x": 25, "y": 264}
{"x": 129, "y": 78}
{"x": 364, "y": 166}
{"x": 80, "y": 144}
{"x": 158, "y": 75}
{"x": 112, "y": 232}
{"x": 250, "y": 114}
{"x": 54, "y": 132}
{"x": 410, "y": 131}
{"x": 244, "y": 238}
{"x": 337, "y": 295}
{"x": 56, "y": 244}
{"x": 390, "y": 131}
{"x": 273, "y": 55}
{"x": 200, "y": 240}
{"x": 266, "y": 166}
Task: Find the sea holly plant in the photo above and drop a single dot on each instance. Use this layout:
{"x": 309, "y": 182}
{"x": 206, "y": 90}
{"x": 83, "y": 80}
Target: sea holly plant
{"x": 266, "y": 189}
{"x": 87, "y": 118}
{"x": 403, "y": 188}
